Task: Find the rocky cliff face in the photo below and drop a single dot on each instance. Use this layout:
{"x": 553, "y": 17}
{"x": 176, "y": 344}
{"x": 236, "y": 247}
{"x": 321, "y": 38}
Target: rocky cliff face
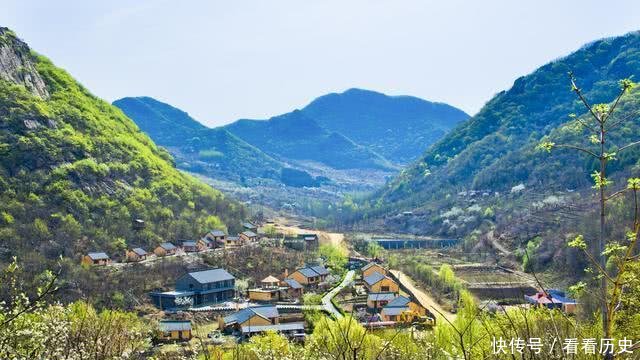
{"x": 16, "y": 64}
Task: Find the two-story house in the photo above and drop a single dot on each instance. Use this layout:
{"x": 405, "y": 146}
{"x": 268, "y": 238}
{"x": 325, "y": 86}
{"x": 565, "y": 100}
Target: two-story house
{"x": 196, "y": 289}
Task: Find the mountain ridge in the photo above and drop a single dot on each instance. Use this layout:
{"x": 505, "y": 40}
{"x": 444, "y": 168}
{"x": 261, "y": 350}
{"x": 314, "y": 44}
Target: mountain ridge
{"x": 397, "y": 127}
{"x": 75, "y": 172}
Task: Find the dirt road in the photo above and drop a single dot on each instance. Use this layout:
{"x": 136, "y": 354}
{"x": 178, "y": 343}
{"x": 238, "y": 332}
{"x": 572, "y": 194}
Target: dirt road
{"x": 423, "y": 298}
{"x": 336, "y": 239}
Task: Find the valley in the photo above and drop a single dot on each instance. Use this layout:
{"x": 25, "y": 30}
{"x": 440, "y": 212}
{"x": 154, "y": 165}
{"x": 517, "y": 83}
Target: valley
{"x": 360, "y": 226}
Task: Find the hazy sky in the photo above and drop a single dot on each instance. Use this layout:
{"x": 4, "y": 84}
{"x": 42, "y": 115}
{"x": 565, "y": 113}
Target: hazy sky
{"x": 224, "y": 60}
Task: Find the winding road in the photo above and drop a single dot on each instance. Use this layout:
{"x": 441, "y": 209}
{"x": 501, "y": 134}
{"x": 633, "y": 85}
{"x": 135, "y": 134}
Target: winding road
{"x": 326, "y": 299}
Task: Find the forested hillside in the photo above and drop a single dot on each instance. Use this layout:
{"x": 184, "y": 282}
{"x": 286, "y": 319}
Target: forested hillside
{"x": 397, "y": 127}
{"x": 299, "y": 137}
{"x": 75, "y": 172}
{"x": 488, "y": 182}
{"x": 197, "y": 148}
{"x": 492, "y": 149}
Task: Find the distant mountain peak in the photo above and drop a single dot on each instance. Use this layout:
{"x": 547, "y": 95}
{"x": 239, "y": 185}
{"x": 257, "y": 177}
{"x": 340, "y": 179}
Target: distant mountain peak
{"x": 399, "y": 128}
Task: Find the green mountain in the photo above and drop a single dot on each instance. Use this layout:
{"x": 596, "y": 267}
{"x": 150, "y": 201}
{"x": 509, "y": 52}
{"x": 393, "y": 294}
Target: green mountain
{"x": 164, "y": 123}
{"x": 75, "y": 172}
{"x": 494, "y": 149}
{"x": 197, "y": 148}
{"x": 396, "y": 127}
{"x": 299, "y": 137}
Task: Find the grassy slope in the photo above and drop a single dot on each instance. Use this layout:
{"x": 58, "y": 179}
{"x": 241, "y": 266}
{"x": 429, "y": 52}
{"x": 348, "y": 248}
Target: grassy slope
{"x": 75, "y": 181}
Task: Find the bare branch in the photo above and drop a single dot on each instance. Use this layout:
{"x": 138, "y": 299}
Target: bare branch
{"x": 567, "y": 146}
{"x": 615, "y": 104}
{"x": 628, "y": 146}
{"x": 577, "y": 90}
{"x": 622, "y": 120}
{"x": 616, "y": 194}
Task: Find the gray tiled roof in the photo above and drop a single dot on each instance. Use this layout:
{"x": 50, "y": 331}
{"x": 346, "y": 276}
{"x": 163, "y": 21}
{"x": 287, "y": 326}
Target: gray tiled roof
{"x": 217, "y": 233}
{"x": 249, "y": 233}
{"x": 209, "y": 276}
{"x": 370, "y": 265}
{"x": 373, "y": 278}
{"x": 140, "y": 251}
{"x": 249, "y": 225}
{"x": 267, "y": 312}
{"x": 394, "y": 310}
{"x": 189, "y": 243}
{"x": 320, "y": 270}
{"x": 399, "y": 301}
{"x": 385, "y": 296}
{"x": 175, "y": 325}
{"x": 98, "y": 256}
{"x": 293, "y": 283}
{"x": 167, "y": 246}
{"x": 312, "y": 271}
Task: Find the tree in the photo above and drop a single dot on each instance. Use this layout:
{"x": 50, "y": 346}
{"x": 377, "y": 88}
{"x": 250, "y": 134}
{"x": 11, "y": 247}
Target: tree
{"x": 598, "y": 123}
{"x": 335, "y": 256}
{"x": 374, "y": 249}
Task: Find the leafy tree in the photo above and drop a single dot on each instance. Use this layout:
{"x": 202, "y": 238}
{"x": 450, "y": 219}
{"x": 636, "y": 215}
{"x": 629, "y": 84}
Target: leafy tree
{"x": 335, "y": 256}
{"x": 600, "y": 121}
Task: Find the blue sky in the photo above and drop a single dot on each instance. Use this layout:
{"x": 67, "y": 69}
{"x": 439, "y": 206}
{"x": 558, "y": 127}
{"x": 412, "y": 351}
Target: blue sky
{"x": 224, "y": 60}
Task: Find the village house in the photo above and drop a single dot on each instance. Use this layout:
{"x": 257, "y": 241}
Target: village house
{"x": 248, "y": 236}
{"x": 294, "y": 288}
{"x": 377, "y": 283}
{"x": 310, "y": 240}
{"x": 301, "y": 242}
{"x": 269, "y": 290}
{"x": 196, "y": 289}
{"x": 190, "y": 246}
{"x": 310, "y": 275}
{"x": 96, "y": 258}
{"x": 249, "y": 226}
{"x": 233, "y": 242}
{"x": 136, "y": 254}
{"x": 376, "y": 301}
{"x": 217, "y": 237}
{"x": 552, "y": 299}
{"x": 250, "y": 316}
{"x": 394, "y": 309}
{"x": 165, "y": 249}
{"x": 138, "y": 224}
{"x": 175, "y": 330}
{"x": 372, "y": 267}
{"x": 204, "y": 244}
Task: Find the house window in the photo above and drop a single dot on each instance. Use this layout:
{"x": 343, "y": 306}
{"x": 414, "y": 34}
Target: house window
{"x": 384, "y": 288}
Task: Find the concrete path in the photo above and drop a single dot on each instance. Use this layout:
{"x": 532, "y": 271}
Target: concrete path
{"x": 326, "y": 299}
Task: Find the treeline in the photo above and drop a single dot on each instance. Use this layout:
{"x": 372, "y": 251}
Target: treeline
{"x": 442, "y": 283}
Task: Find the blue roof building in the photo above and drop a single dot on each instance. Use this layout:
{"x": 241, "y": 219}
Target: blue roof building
{"x": 199, "y": 287}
